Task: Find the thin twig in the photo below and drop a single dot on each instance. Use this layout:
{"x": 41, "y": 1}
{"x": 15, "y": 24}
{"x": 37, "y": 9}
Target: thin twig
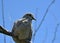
{"x": 55, "y": 33}
{"x": 3, "y": 19}
{"x": 43, "y": 18}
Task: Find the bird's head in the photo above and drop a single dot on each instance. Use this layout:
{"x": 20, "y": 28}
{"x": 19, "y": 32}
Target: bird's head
{"x": 29, "y": 16}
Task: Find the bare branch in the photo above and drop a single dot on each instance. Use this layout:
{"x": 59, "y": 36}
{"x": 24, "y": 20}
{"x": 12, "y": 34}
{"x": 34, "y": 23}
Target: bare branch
{"x": 3, "y": 18}
{"x": 55, "y": 33}
{"x": 43, "y": 17}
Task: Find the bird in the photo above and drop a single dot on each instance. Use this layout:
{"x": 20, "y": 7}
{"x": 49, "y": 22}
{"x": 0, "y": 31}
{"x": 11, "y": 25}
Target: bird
{"x": 22, "y": 29}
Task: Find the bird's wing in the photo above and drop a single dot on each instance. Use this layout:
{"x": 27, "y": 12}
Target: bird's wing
{"x": 16, "y": 24}
{"x": 30, "y": 35}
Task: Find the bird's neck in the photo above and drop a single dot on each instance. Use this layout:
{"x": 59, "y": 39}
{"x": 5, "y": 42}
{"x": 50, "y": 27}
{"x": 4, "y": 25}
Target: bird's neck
{"x": 29, "y": 20}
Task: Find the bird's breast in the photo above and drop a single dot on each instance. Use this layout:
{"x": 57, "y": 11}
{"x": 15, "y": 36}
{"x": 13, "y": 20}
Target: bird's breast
{"x": 23, "y": 30}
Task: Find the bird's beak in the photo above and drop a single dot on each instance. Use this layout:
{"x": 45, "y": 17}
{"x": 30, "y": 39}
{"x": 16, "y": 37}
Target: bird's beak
{"x": 34, "y": 19}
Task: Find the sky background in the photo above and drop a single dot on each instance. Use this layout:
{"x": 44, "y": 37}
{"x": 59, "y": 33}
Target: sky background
{"x": 15, "y": 9}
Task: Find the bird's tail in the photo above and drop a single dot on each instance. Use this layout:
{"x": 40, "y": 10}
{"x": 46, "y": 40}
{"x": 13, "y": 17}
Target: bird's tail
{"x": 3, "y": 31}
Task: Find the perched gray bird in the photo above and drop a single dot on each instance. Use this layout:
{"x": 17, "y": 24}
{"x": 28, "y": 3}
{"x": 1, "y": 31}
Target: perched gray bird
{"x": 22, "y": 29}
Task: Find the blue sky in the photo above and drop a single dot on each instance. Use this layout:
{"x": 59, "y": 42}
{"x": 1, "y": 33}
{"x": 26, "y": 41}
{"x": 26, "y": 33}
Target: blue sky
{"x": 15, "y": 9}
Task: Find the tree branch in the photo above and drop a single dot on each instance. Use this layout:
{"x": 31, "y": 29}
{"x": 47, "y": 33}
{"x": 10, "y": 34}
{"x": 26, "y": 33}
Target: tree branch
{"x": 53, "y": 40}
{"x": 43, "y": 18}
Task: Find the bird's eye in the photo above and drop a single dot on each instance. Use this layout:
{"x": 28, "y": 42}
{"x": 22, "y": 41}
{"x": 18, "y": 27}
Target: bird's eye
{"x": 30, "y": 15}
